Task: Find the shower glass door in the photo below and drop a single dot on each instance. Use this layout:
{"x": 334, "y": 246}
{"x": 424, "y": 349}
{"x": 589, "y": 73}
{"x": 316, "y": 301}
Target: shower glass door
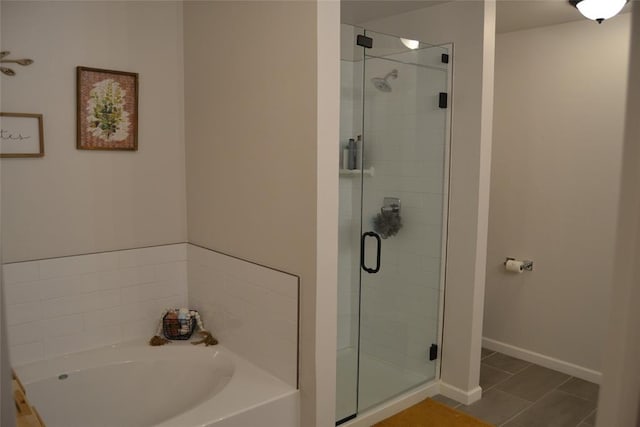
{"x": 392, "y": 217}
{"x": 349, "y": 230}
{"x": 403, "y": 199}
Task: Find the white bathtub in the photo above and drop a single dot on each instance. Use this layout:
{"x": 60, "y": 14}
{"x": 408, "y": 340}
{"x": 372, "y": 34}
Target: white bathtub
{"x": 176, "y": 385}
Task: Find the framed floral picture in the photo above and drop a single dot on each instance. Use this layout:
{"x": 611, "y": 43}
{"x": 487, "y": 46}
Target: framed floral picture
{"x": 107, "y": 116}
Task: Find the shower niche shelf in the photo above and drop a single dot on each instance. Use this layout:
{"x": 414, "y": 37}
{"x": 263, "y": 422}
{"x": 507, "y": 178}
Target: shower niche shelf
{"x": 356, "y": 172}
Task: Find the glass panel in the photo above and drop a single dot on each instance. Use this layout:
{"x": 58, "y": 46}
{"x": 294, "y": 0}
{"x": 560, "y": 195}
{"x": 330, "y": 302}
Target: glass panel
{"x": 351, "y": 69}
{"x": 393, "y": 172}
{"x": 404, "y": 144}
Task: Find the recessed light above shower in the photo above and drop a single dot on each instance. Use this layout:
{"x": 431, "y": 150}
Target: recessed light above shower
{"x": 382, "y": 83}
{"x": 411, "y": 44}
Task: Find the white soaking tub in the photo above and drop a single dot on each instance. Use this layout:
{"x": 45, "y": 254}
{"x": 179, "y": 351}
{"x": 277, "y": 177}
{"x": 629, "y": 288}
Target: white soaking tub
{"x": 176, "y": 385}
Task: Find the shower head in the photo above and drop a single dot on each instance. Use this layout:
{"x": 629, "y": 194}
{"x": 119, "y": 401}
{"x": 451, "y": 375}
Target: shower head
{"x": 382, "y": 83}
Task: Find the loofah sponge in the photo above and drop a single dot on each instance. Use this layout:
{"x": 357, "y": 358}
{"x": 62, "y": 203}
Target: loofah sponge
{"x": 387, "y": 224}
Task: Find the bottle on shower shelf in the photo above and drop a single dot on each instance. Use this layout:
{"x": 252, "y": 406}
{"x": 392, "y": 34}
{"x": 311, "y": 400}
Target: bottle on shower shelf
{"x": 359, "y": 150}
{"x": 352, "y": 153}
{"x": 346, "y": 156}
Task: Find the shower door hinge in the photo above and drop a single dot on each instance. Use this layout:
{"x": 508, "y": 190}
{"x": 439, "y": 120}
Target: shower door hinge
{"x": 442, "y": 100}
{"x": 444, "y": 58}
{"x": 364, "y": 41}
{"x": 433, "y": 352}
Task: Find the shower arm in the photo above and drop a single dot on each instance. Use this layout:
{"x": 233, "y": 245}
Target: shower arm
{"x": 392, "y": 73}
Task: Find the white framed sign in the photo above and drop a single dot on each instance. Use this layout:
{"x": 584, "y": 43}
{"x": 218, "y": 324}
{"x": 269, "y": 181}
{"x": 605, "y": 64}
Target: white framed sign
{"x": 21, "y": 135}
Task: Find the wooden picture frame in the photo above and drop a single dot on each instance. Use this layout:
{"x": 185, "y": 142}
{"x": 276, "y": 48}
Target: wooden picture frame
{"x": 21, "y": 135}
{"x": 107, "y": 109}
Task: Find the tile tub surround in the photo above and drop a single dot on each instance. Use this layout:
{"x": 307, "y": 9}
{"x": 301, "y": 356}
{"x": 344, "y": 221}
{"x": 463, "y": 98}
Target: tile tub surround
{"x": 521, "y": 394}
{"x": 64, "y": 305}
{"x": 251, "y": 309}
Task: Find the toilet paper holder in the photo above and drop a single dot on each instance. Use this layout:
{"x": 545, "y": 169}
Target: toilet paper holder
{"x": 526, "y": 264}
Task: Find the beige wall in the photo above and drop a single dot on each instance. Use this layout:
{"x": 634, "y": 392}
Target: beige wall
{"x": 7, "y": 411}
{"x": 7, "y": 406}
{"x": 328, "y": 130}
{"x": 620, "y": 391}
{"x": 71, "y": 201}
{"x": 469, "y": 25}
{"x": 558, "y": 132}
{"x": 251, "y": 143}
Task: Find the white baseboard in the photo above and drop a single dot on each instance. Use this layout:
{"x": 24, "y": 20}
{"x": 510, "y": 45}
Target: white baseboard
{"x": 394, "y": 406}
{"x": 542, "y": 360}
{"x": 464, "y": 397}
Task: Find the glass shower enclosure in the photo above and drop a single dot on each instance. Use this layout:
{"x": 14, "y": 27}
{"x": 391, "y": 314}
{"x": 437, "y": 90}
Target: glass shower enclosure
{"x": 394, "y": 123}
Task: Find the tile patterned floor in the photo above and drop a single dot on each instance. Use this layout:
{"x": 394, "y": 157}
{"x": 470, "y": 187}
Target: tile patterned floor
{"x": 520, "y": 394}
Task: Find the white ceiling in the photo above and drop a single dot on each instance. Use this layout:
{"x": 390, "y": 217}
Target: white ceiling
{"x": 357, "y": 12}
{"x": 512, "y": 15}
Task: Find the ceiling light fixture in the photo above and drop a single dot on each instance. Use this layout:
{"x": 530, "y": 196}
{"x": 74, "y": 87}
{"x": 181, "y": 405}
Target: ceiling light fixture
{"x": 411, "y": 44}
{"x": 599, "y": 10}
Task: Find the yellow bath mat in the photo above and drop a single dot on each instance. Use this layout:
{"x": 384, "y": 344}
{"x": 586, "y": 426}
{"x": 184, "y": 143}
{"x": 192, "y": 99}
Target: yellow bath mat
{"x": 430, "y": 413}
